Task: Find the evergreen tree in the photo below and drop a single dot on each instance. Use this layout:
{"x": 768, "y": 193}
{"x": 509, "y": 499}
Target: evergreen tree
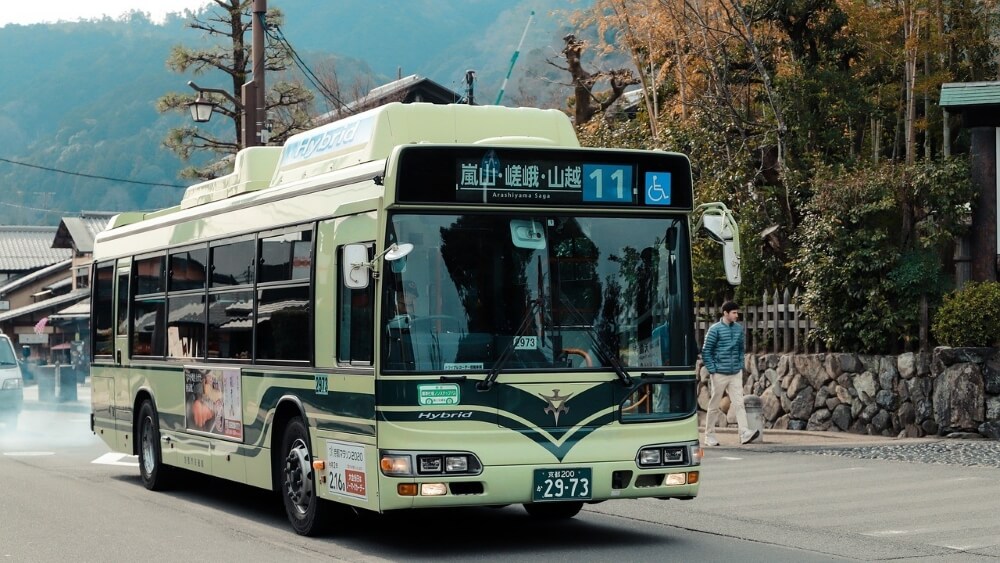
{"x": 226, "y": 25}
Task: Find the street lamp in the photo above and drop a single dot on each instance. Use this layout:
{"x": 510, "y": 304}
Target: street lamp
{"x": 201, "y": 109}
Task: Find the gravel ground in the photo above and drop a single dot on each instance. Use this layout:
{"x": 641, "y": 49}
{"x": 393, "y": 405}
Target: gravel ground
{"x": 970, "y": 453}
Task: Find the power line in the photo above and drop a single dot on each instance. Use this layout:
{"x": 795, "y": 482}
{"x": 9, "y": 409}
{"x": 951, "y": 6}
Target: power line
{"x": 279, "y": 36}
{"x": 49, "y": 211}
{"x": 71, "y": 173}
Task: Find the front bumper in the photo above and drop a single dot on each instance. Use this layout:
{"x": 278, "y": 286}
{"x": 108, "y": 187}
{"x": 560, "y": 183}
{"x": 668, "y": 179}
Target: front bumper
{"x": 512, "y": 484}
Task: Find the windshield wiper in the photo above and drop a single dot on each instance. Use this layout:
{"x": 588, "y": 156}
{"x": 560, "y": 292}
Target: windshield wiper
{"x": 600, "y": 346}
{"x": 508, "y": 352}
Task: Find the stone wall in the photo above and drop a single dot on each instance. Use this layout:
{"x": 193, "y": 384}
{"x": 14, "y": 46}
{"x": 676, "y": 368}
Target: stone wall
{"x": 953, "y": 390}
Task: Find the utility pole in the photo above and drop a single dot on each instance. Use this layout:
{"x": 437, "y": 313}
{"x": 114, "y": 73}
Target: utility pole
{"x": 251, "y": 106}
{"x": 254, "y": 109}
{"x": 470, "y": 77}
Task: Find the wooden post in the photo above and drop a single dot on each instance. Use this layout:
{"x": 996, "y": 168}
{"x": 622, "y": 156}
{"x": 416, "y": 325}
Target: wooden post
{"x": 764, "y": 336}
{"x": 786, "y": 325}
{"x": 797, "y": 317}
{"x": 774, "y": 315}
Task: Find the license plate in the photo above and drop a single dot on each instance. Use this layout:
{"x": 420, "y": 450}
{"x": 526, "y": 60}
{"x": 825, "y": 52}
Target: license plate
{"x": 562, "y": 484}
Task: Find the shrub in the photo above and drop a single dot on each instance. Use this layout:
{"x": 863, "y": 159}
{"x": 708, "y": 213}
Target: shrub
{"x": 870, "y": 246}
{"x": 970, "y": 316}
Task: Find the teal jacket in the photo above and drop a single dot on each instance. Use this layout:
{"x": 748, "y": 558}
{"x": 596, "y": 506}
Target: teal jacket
{"x": 724, "y": 348}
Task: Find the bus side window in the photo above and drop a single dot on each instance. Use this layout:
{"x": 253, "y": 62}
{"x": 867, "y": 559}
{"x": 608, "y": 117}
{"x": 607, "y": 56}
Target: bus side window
{"x": 355, "y": 320}
{"x": 103, "y": 310}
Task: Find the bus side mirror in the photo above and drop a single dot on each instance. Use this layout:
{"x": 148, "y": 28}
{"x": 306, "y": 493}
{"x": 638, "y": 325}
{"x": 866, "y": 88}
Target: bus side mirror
{"x": 718, "y": 222}
{"x": 356, "y": 268}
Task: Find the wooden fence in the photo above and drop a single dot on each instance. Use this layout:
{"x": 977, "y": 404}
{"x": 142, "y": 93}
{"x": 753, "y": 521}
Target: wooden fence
{"x": 776, "y": 324}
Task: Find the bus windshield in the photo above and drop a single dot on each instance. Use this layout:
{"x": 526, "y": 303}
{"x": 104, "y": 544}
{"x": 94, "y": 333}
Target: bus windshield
{"x": 543, "y": 292}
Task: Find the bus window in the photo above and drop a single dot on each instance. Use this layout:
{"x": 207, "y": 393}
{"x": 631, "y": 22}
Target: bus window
{"x": 148, "y": 307}
{"x": 147, "y": 326}
{"x": 103, "y": 313}
{"x": 356, "y": 320}
{"x": 230, "y": 325}
{"x": 233, "y": 263}
{"x": 123, "y": 299}
{"x": 148, "y": 274}
{"x": 285, "y": 257}
{"x": 186, "y": 326}
{"x": 187, "y": 269}
{"x": 283, "y": 321}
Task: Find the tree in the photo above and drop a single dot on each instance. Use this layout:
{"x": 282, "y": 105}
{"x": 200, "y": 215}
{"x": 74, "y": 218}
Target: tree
{"x": 586, "y": 102}
{"x": 287, "y": 102}
{"x": 781, "y": 103}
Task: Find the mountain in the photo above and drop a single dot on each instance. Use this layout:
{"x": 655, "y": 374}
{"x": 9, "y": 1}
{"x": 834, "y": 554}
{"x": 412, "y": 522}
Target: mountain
{"x": 80, "y": 97}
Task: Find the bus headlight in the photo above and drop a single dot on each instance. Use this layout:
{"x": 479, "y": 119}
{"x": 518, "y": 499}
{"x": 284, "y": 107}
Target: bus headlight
{"x": 429, "y": 463}
{"x": 456, "y": 464}
{"x": 669, "y": 455}
{"x": 649, "y": 456}
{"x": 396, "y": 463}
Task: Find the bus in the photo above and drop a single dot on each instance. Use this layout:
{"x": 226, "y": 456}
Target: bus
{"x": 417, "y": 306}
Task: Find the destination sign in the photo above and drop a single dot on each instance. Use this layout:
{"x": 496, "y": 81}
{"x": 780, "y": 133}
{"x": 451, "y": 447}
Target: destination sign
{"x": 490, "y": 180}
{"x": 543, "y": 177}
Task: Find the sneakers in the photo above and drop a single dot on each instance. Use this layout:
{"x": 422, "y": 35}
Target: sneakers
{"x": 711, "y": 441}
{"x": 749, "y": 436}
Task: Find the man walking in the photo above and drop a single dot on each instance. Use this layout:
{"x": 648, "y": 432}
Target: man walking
{"x": 723, "y": 356}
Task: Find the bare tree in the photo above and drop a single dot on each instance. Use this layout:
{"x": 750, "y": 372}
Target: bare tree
{"x": 587, "y": 103}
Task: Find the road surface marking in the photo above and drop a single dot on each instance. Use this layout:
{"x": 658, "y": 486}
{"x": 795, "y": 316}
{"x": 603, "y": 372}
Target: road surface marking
{"x": 28, "y": 454}
{"x": 112, "y": 458}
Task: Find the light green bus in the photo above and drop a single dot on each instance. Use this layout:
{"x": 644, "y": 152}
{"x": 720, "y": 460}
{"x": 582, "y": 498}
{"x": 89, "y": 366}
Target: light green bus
{"x": 417, "y": 306}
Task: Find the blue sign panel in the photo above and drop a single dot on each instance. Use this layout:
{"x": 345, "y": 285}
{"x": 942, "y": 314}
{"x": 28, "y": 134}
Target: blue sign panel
{"x": 657, "y": 188}
{"x": 607, "y": 183}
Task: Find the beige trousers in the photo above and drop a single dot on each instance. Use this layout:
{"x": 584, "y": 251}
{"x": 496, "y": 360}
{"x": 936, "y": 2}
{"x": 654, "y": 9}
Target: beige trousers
{"x": 733, "y": 385}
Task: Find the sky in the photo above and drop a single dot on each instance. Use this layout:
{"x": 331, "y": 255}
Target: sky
{"x": 28, "y": 12}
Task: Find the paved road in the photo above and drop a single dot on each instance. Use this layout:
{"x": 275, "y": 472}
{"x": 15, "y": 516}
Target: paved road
{"x": 795, "y": 497}
{"x": 846, "y": 503}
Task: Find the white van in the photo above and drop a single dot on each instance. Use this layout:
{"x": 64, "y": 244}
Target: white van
{"x": 11, "y": 384}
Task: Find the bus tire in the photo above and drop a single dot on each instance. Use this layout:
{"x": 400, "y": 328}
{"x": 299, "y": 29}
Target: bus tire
{"x": 553, "y": 510}
{"x": 155, "y": 475}
{"x": 306, "y": 511}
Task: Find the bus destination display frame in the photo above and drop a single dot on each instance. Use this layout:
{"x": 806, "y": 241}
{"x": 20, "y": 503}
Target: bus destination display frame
{"x": 493, "y": 176}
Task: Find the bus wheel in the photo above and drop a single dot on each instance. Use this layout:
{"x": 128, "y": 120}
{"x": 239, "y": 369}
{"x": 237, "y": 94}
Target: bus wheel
{"x": 553, "y": 510}
{"x": 155, "y": 475}
{"x": 306, "y": 511}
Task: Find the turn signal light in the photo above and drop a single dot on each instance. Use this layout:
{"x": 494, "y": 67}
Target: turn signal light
{"x": 407, "y": 489}
{"x": 319, "y": 464}
{"x": 692, "y": 477}
{"x": 398, "y": 465}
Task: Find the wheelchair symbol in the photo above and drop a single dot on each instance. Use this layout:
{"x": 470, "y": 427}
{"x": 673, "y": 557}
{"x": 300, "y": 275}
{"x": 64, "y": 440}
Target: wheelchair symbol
{"x": 655, "y": 192}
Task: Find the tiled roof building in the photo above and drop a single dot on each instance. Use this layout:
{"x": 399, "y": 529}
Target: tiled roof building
{"x": 26, "y": 249}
